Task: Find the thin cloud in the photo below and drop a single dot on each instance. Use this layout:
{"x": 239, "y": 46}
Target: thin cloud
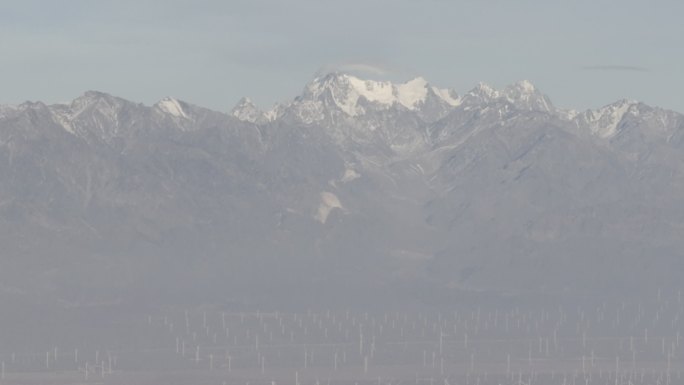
{"x": 365, "y": 68}
{"x": 624, "y": 68}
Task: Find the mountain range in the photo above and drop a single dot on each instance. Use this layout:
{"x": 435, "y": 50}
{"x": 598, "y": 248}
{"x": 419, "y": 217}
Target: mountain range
{"x": 355, "y": 186}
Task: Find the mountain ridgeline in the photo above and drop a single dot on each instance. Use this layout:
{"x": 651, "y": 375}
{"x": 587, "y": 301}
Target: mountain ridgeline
{"x": 355, "y": 186}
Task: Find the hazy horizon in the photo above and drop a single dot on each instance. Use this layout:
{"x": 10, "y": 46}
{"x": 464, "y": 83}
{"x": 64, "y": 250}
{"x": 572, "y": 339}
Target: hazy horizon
{"x": 582, "y": 54}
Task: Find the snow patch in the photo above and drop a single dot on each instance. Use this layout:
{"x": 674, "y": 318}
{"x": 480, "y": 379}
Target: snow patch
{"x": 273, "y": 114}
{"x": 329, "y": 201}
{"x": 310, "y": 111}
{"x": 412, "y": 93}
{"x": 482, "y": 89}
{"x": 247, "y": 111}
{"x": 374, "y": 91}
{"x": 605, "y": 121}
{"x": 65, "y": 122}
{"x": 526, "y": 86}
{"x": 349, "y": 175}
{"x": 447, "y": 96}
{"x": 172, "y": 106}
{"x": 568, "y": 114}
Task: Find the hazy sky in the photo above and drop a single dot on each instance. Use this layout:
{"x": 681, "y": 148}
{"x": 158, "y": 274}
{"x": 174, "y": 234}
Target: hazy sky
{"x": 581, "y": 53}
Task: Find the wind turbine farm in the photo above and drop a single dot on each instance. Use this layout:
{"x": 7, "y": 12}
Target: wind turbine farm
{"x": 600, "y": 342}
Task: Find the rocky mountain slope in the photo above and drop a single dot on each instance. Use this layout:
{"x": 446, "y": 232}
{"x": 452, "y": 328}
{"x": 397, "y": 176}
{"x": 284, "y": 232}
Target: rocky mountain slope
{"x": 355, "y": 184}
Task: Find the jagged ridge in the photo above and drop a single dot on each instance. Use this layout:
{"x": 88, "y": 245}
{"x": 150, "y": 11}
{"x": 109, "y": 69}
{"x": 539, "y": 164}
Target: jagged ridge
{"x": 353, "y": 180}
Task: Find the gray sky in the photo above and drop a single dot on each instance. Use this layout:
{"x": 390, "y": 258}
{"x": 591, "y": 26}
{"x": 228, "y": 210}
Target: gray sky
{"x": 581, "y": 53}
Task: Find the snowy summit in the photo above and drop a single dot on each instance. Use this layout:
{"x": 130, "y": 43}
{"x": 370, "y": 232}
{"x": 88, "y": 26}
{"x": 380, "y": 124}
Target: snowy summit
{"x": 347, "y": 91}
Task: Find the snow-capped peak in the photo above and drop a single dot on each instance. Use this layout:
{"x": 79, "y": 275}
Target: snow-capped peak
{"x": 247, "y": 111}
{"x": 523, "y": 95}
{"x": 604, "y": 121}
{"x": 523, "y": 86}
{"x": 29, "y": 105}
{"x": 94, "y": 98}
{"x": 245, "y": 101}
{"x": 346, "y": 91}
{"x": 172, "y": 106}
{"x": 485, "y": 89}
{"x": 526, "y": 95}
{"x": 481, "y": 94}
